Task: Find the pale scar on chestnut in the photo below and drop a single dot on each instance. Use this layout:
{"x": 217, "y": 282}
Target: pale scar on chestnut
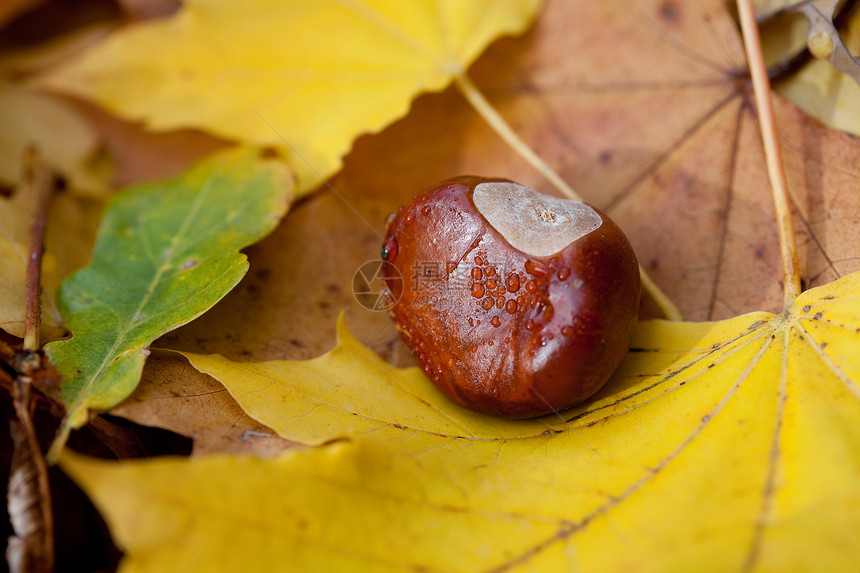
{"x": 516, "y": 304}
{"x": 534, "y": 223}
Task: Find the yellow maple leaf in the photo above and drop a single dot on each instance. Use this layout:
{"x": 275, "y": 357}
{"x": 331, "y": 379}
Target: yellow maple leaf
{"x": 305, "y": 75}
{"x": 723, "y": 446}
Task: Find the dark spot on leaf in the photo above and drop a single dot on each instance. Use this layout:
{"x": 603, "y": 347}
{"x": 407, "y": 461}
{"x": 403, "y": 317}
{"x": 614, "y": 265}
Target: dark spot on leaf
{"x": 711, "y": 365}
{"x": 823, "y": 345}
{"x": 295, "y": 342}
{"x": 337, "y": 441}
{"x": 706, "y": 418}
{"x": 807, "y": 308}
{"x": 817, "y": 315}
{"x": 669, "y": 11}
{"x": 189, "y": 264}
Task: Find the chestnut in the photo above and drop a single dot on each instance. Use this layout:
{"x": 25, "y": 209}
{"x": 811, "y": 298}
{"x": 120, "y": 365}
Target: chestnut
{"x": 515, "y": 303}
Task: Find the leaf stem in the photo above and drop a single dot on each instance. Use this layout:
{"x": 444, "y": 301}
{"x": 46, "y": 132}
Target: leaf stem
{"x": 773, "y": 157}
{"x": 39, "y": 177}
{"x": 56, "y": 448}
{"x": 474, "y": 96}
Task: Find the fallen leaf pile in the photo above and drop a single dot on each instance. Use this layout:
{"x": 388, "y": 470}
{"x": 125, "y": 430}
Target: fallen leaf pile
{"x": 727, "y": 442}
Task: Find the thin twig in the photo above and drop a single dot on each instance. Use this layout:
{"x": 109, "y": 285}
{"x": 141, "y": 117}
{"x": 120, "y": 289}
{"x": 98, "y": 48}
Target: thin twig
{"x": 775, "y": 169}
{"x": 474, "y": 96}
{"x": 29, "y": 494}
{"x": 41, "y": 180}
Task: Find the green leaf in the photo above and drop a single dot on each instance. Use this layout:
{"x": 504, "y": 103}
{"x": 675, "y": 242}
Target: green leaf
{"x": 165, "y": 254}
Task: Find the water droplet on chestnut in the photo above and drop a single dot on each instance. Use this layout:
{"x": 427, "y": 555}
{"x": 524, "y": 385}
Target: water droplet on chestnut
{"x": 389, "y": 249}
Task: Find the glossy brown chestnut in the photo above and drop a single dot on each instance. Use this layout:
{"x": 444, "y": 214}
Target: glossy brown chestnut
{"x": 516, "y": 304}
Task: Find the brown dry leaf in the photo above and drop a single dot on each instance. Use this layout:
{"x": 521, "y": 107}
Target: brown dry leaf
{"x": 173, "y": 395}
{"x": 652, "y": 121}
